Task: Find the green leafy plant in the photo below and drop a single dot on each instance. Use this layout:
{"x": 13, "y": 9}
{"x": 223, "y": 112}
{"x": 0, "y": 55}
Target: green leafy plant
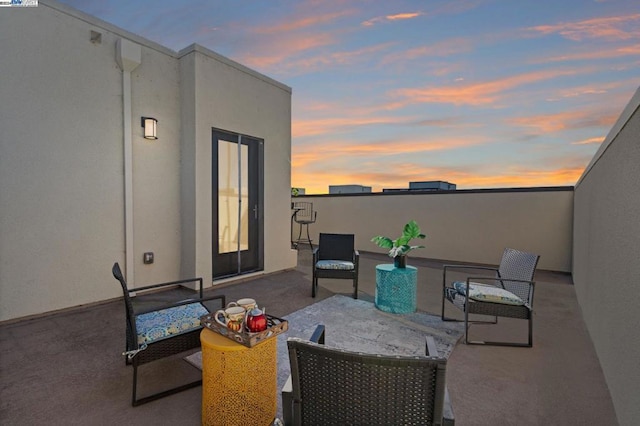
{"x": 401, "y": 246}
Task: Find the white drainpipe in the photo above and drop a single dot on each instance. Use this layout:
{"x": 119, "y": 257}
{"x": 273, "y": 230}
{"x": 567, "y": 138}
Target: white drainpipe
{"x": 128, "y": 56}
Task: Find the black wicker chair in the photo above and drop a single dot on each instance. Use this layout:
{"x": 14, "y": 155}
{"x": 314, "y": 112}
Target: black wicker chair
{"x": 507, "y": 293}
{"x": 162, "y": 329}
{"x": 336, "y": 387}
{"x": 304, "y": 215}
{"x": 335, "y": 257}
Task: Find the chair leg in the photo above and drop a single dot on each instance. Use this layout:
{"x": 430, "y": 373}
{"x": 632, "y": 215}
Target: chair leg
{"x": 314, "y": 285}
{"x": 309, "y": 238}
{"x": 355, "y": 288}
{"x": 299, "y": 233}
{"x": 135, "y": 384}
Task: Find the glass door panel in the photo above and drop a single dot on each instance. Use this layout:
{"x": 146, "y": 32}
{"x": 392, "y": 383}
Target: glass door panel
{"x": 237, "y": 182}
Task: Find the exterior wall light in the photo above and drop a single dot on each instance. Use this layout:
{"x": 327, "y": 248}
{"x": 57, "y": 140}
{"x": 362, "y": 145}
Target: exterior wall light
{"x": 150, "y": 126}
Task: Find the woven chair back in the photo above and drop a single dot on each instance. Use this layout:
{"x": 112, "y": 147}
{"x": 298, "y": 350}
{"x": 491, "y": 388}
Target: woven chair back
{"x": 518, "y": 265}
{"x": 304, "y": 211}
{"x": 336, "y": 387}
{"x": 336, "y": 246}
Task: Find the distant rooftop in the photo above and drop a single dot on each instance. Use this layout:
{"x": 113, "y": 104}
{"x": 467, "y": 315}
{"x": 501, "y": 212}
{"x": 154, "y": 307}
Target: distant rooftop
{"x": 429, "y": 185}
{"x": 348, "y": 189}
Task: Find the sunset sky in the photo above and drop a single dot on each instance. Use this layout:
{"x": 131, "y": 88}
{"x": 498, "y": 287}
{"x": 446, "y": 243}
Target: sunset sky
{"x": 480, "y": 93}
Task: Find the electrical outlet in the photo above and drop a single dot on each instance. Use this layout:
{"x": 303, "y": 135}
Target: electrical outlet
{"x": 148, "y": 258}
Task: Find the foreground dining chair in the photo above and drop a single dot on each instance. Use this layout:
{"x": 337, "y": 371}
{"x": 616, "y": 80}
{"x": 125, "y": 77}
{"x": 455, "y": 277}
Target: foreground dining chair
{"x": 507, "y": 292}
{"x": 162, "y": 329}
{"x": 331, "y": 386}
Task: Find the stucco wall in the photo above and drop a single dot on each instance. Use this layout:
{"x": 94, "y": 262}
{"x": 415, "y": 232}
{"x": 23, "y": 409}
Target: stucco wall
{"x": 229, "y": 96}
{"x": 61, "y": 182}
{"x": 606, "y": 257}
{"x": 460, "y": 226}
{"x": 62, "y": 215}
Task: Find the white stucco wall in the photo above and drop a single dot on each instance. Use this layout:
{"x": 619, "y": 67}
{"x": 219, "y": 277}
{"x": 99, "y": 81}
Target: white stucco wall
{"x": 61, "y": 183}
{"x": 606, "y": 258}
{"x": 231, "y": 97}
{"x": 62, "y": 212}
{"x": 461, "y": 226}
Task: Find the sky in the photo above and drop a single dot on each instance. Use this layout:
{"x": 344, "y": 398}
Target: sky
{"x": 480, "y": 93}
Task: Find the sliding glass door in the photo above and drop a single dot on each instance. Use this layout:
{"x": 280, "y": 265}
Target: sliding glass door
{"x": 237, "y": 200}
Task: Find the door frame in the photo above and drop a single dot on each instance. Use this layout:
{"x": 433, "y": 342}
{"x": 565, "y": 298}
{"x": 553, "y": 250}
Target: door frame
{"x": 251, "y": 260}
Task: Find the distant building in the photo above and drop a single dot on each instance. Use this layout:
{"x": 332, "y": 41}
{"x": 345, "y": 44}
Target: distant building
{"x": 348, "y": 189}
{"x": 297, "y": 191}
{"x": 430, "y": 185}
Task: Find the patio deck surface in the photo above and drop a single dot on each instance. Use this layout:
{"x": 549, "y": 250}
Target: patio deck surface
{"x": 67, "y": 369}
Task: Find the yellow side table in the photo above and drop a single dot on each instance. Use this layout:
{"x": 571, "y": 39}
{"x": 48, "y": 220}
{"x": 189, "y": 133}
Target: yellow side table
{"x": 238, "y": 383}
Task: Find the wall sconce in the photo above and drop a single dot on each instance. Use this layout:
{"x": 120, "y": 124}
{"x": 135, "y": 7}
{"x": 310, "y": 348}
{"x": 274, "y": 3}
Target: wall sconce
{"x": 150, "y": 126}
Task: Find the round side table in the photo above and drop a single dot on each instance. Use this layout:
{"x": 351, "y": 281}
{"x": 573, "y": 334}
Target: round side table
{"x": 396, "y": 288}
{"x": 238, "y": 383}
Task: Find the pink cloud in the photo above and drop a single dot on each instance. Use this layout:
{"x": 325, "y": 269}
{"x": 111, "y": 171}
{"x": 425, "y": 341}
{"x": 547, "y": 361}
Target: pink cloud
{"x": 606, "y": 53}
{"x": 611, "y": 28}
{"x": 474, "y": 94}
{"x": 391, "y": 18}
{"x": 575, "y": 119}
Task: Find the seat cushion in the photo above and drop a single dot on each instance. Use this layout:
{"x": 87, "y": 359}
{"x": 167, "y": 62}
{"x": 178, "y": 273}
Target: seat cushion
{"x": 343, "y": 265}
{"x": 487, "y": 293}
{"x": 168, "y": 322}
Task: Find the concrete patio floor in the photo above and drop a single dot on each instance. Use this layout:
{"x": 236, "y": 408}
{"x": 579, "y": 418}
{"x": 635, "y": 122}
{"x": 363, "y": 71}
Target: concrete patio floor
{"x": 67, "y": 369}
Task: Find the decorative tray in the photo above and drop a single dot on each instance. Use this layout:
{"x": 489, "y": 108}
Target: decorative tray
{"x": 275, "y": 326}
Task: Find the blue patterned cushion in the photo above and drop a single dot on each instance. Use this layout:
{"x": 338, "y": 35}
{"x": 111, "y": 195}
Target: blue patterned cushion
{"x": 487, "y": 293}
{"x": 342, "y": 265}
{"x": 168, "y": 322}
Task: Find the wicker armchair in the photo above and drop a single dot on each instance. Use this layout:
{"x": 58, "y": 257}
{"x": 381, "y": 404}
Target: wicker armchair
{"x": 162, "y": 329}
{"x": 507, "y": 293}
{"x": 335, "y": 257}
{"x": 336, "y": 387}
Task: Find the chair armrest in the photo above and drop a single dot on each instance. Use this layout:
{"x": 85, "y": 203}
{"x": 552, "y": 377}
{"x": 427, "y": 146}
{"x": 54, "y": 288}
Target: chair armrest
{"x": 316, "y": 254}
{"x": 489, "y": 268}
{"x": 431, "y": 349}
{"x": 287, "y": 389}
{"x": 167, "y": 284}
{"x": 318, "y": 335}
{"x": 479, "y": 278}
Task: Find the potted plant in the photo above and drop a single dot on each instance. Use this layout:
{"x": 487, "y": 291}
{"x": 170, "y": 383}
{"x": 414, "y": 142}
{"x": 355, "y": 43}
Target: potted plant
{"x": 399, "y": 247}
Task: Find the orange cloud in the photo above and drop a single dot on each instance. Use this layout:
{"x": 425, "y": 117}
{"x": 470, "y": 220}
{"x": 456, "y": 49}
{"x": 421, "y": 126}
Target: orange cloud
{"x": 312, "y": 127}
{"x": 577, "y": 119}
{"x": 612, "y": 28}
{"x": 387, "y": 18}
{"x": 444, "y": 48}
{"x": 281, "y": 50}
{"x": 589, "y": 141}
{"x": 608, "y": 53}
{"x": 291, "y": 24}
{"x": 304, "y": 156}
{"x": 336, "y": 58}
{"x": 474, "y": 94}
